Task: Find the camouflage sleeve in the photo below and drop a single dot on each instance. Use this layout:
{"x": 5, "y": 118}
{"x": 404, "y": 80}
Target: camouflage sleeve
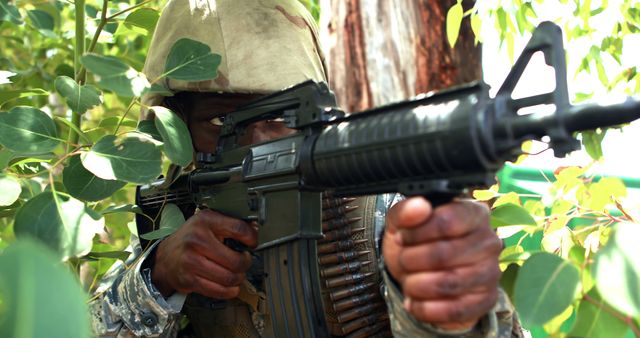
{"x": 127, "y": 304}
{"x": 500, "y": 322}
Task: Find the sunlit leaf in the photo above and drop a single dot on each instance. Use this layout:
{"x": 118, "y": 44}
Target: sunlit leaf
{"x": 5, "y": 75}
{"x": 510, "y": 197}
{"x": 84, "y": 185}
{"x": 510, "y": 214}
{"x": 64, "y": 224}
{"x": 80, "y": 98}
{"x": 476, "y": 25}
{"x": 175, "y": 135}
{"x": 190, "y": 60}
{"x": 26, "y": 130}
{"x": 6, "y": 96}
{"x": 145, "y": 18}
{"x": 559, "y": 241}
{"x": 132, "y": 159}
{"x": 545, "y": 287}
{"x": 594, "y": 320}
{"x": 484, "y": 195}
{"x": 553, "y": 326}
{"x": 38, "y": 296}
{"x": 616, "y": 269}
{"x": 10, "y": 190}
{"x": 115, "y": 75}
{"x": 454, "y": 20}
{"x": 171, "y": 219}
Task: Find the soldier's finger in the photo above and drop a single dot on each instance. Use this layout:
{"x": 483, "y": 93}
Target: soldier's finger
{"x": 227, "y": 227}
{"x": 214, "y": 272}
{"x": 453, "y": 220}
{"x": 452, "y": 283}
{"x": 211, "y": 289}
{"x": 467, "y": 308}
{"x": 408, "y": 213}
{"x": 444, "y": 254}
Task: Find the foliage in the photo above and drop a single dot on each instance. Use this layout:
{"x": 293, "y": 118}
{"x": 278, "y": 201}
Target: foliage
{"x": 578, "y": 275}
{"x": 71, "y": 152}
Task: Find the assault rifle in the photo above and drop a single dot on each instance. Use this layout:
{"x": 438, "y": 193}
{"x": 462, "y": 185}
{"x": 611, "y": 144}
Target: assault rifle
{"x": 436, "y": 145}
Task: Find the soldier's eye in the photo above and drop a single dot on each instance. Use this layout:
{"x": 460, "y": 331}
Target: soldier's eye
{"x": 217, "y": 121}
{"x": 276, "y": 120}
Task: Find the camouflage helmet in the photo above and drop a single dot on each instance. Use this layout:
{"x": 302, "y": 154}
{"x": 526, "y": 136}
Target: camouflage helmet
{"x": 266, "y": 45}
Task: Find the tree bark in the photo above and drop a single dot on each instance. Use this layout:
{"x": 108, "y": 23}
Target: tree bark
{"x": 381, "y": 51}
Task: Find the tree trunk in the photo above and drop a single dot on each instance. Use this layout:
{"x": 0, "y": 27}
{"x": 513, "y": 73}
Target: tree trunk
{"x": 380, "y": 51}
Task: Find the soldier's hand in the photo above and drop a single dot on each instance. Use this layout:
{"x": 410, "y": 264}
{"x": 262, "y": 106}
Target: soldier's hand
{"x": 446, "y": 260}
{"x": 194, "y": 258}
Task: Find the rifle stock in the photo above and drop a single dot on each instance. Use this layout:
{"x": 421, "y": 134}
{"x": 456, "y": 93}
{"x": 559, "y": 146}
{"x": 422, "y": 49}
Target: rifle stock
{"x": 435, "y": 145}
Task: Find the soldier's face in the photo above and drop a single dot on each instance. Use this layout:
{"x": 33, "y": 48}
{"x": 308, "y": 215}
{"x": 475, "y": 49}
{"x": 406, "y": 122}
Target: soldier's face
{"x": 207, "y": 111}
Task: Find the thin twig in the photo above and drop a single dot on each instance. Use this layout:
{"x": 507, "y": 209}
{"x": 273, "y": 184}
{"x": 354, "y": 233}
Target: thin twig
{"x": 628, "y": 320}
{"x": 113, "y": 16}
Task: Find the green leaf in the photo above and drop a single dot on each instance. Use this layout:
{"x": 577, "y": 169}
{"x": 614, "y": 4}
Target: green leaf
{"x": 553, "y": 326}
{"x": 38, "y": 296}
{"x": 26, "y": 130}
{"x": 73, "y": 127}
{"x": 9, "y": 12}
{"x": 132, "y": 159}
{"x": 121, "y": 255}
{"x": 6, "y": 156}
{"x": 616, "y": 269}
{"x": 115, "y": 75}
{"x": 545, "y": 287}
{"x": 175, "y": 135}
{"x": 80, "y": 98}
{"x": 190, "y": 60}
{"x": 10, "y": 190}
{"x": 595, "y": 320}
{"x": 171, "y": 219}
{"x": 145, "y": 18}
{"x": 66, "y": 225}
{"x": 6, "y": 96}
{"x": 510, "y": 214}
{"x": 5, "y": 75}
{"x": 454, "y": 20}
{"x": 41, "y": 19}
{"x": 149, "y": 127}
{"x": 113, "y": 121}
{"x": 84, "y": 185}
{"x": 592, "y": 142}
{"x": 508, "y": 279}
{"x": 122, "y": 208}
{"x": 160, "y": 90}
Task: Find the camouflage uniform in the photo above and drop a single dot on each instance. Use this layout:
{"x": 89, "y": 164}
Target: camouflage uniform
{"x": 129, "y": 305}
{"x": 247, "y": 34}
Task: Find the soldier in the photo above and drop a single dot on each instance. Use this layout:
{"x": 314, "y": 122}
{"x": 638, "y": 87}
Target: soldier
{"x": 439, "y": 268}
